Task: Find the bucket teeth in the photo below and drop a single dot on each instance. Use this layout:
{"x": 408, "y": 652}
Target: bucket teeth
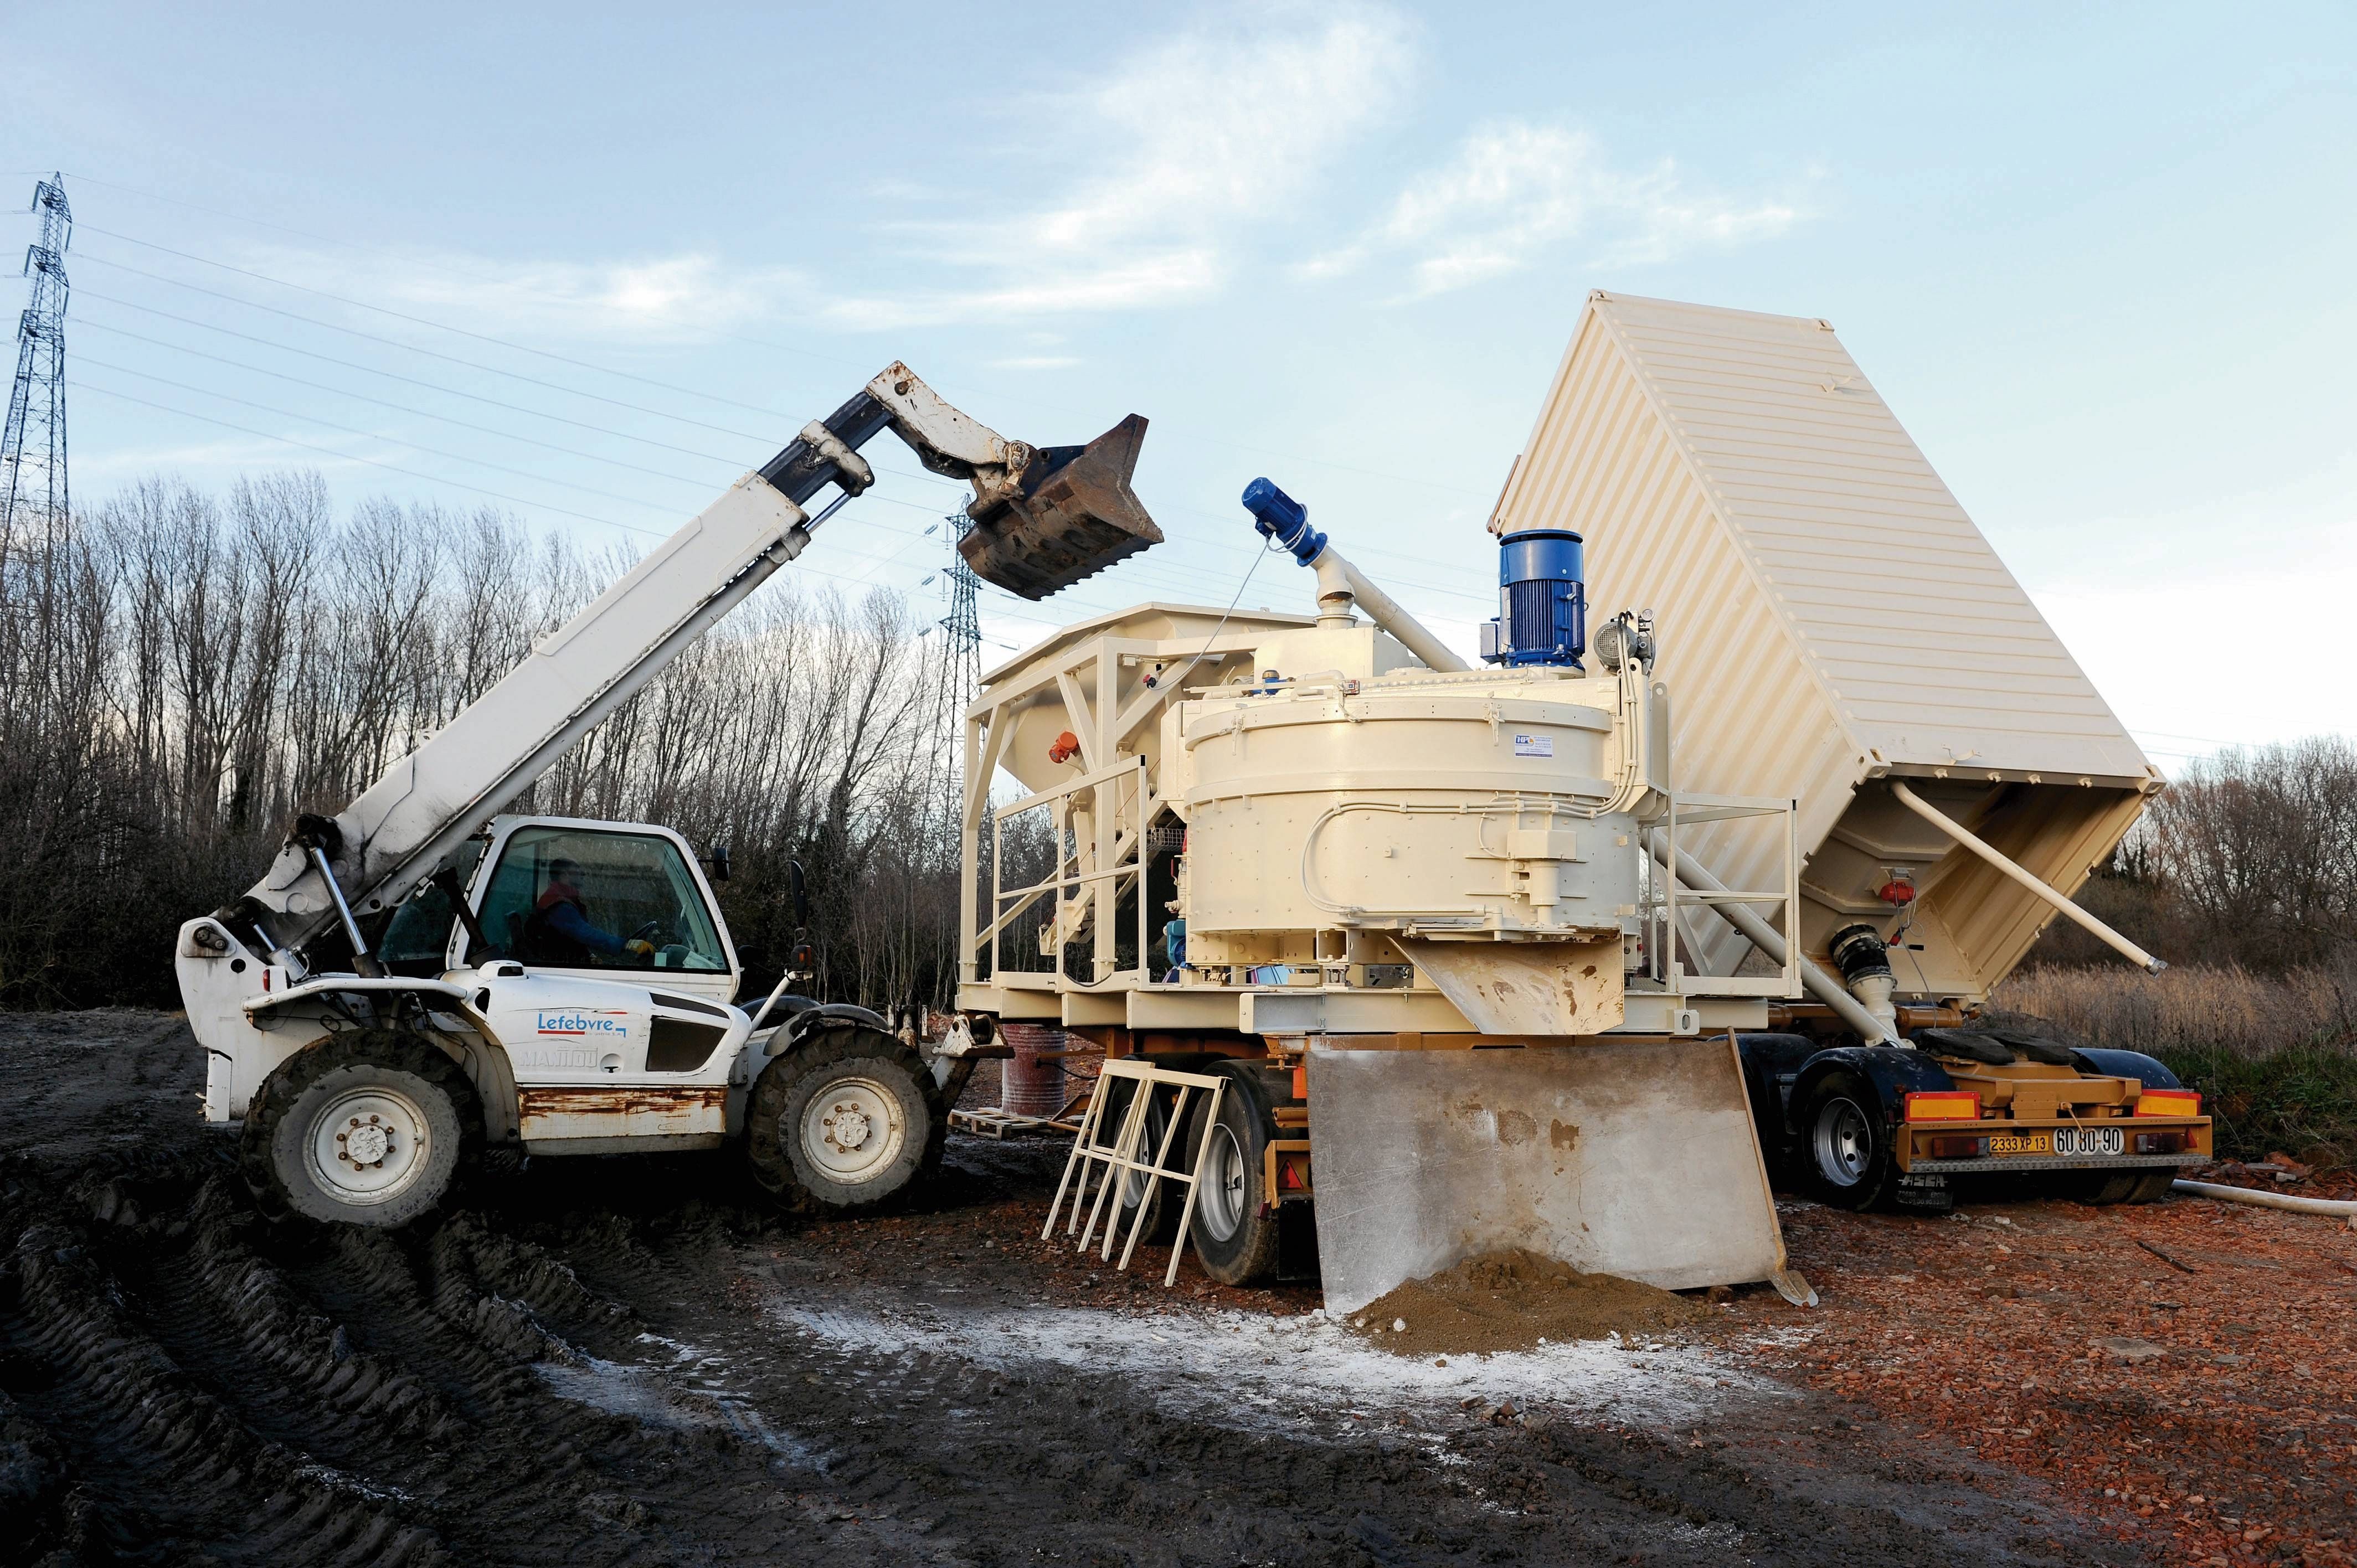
{"x": 1069, "y": 514}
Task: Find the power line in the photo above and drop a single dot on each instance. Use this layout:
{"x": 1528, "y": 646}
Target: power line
{"x": 353, "y": 457}
{"x": 344, "y": 244}
{"x": 438, "y": 326}
{"x": 800, "y": 569}
{"x": 363, "y": 434}
{"x": 1159, "y": 567}
{"x": 584, "y": 364}
{"x": 429, "y": 353}
{"x": 397, "y": 407}
{"x": 406, "y": 381}
{"x": 767, "y": 442}
{"x": 1168, "y": 570}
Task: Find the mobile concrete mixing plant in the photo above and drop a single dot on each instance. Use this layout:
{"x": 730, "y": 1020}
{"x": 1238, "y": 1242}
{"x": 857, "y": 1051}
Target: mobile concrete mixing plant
{"x": 1520, "y": 954}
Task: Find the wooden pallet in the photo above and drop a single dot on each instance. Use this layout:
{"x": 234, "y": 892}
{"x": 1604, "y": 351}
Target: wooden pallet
{"x": 991, "y": 1122}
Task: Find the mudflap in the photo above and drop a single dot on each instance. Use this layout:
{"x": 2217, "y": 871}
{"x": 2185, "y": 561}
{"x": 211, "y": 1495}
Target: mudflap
{"x": 1926, "y": 1191}
{"x": 1635, "y": 1158}
{"x": 1297, "y": 1244}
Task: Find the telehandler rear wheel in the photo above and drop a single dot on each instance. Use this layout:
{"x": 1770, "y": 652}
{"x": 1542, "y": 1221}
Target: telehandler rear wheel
{"x": 369, "y": 1128}
{"x": 1843, "y": 1151}
{"x": 844, "y": 1123}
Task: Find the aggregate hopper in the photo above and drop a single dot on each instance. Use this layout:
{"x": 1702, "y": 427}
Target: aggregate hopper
{"x": 1404, "y": 908}
{"x": 1837, "y": 631}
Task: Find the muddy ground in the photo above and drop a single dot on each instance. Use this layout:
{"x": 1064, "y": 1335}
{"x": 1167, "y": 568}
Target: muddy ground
{"x": 626, "y": 1361}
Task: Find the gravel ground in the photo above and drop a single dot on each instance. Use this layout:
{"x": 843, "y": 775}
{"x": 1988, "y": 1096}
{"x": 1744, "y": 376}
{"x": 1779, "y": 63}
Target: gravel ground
{"x": 2185, "y": 1373}
{"x": 624, "y": 1361}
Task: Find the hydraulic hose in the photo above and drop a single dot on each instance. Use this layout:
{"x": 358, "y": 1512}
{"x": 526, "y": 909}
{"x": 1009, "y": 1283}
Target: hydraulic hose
{"x": 2329, "y": 1208}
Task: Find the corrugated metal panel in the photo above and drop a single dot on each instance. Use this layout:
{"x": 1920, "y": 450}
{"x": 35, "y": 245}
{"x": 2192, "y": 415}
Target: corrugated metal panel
{"x": 1925, "y": 645}
{"x": 1827, "y": 612}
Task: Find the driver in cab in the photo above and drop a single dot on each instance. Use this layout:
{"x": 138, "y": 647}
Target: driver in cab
{"x": 559, "y": 930}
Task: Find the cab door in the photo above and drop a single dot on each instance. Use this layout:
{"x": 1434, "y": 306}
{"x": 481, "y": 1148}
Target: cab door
{"x": 618, "y": 1026}
{"x": 595, "y": 1061}
{"x": 603, "y": 902}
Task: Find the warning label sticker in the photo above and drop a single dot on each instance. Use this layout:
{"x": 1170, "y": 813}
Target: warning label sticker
{"x": 1534, "y": 746}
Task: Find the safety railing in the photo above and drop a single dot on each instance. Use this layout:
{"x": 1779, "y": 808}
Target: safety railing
{"x": 1669, "y": 899}
{"x": 1124, "y": 793}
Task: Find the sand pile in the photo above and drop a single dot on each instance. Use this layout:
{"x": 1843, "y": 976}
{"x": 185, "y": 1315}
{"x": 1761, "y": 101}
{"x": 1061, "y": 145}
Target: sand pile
{"x": 1511, "y": 1300}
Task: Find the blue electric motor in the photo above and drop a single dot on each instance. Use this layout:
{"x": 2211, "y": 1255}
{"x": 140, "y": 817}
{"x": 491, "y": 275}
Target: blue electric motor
{"x": 1542, "y": 601}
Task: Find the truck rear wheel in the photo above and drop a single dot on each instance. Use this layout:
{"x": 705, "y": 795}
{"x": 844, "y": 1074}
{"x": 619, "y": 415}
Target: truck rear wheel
{"x": 844, "y": 1123}
{"x": 1235, "y": 1227}
{"x": 369, "y": 1128}
{"x": 1843, "y": 1151}
{"x": 1158, "y": 1195}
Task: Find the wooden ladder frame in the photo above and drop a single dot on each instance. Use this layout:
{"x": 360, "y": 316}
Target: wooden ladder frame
{"x": 1108, "y": 1165}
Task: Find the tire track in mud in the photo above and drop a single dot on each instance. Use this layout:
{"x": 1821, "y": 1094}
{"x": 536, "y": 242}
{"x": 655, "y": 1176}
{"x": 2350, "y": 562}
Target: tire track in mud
{"x": 625, "y": 1363}
{"x": 201, "y": 1380}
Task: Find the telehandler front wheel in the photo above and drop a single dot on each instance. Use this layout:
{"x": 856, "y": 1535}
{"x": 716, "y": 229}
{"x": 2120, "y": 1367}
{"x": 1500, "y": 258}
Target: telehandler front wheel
{"x": 369, "y": 1128}
{"x": 1842, "y": 1153}
{"x": 845, "y": 1123}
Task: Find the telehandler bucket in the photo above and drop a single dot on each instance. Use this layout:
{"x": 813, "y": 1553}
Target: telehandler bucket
{"x": 1636, "y": 1159}
{"x": 1069, "y": 514}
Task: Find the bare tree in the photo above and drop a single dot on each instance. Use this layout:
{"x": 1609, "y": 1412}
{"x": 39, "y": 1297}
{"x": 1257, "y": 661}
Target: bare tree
{"x": 182, "y": 673}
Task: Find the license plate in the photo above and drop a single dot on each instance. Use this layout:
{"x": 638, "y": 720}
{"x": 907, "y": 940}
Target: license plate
{"x": 2022, "y": 1143}
{"x": 2090, "y": 1141}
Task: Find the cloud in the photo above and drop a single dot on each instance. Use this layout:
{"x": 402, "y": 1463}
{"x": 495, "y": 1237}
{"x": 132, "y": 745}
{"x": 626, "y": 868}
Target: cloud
{"x": 666, "y": 299}
{"x": 1180, "y": 148}
{"x": 1515, "y": 191}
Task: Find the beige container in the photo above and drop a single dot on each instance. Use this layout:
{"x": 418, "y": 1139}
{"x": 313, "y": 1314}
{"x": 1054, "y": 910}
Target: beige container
{"x": 1829, "y": 619}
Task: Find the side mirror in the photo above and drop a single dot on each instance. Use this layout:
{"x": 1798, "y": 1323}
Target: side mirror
{"x": 799, "y": 881}
{"x": 718, "y": 860}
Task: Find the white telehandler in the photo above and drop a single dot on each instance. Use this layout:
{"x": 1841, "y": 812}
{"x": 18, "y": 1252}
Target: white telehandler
{"x": 420, "y": 976}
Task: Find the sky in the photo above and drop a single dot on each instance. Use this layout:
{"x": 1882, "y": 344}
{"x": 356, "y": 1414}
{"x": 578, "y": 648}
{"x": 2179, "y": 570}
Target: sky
{"x": 588, "y": 264}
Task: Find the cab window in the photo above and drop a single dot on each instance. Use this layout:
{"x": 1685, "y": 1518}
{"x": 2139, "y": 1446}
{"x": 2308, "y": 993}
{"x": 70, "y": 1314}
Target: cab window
{"x": 419, "y": 936}
{"x": 581, "y": 899}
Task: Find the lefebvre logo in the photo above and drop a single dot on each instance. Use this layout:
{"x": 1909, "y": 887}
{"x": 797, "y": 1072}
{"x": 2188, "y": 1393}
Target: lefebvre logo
{"x": 601, "y": 1021}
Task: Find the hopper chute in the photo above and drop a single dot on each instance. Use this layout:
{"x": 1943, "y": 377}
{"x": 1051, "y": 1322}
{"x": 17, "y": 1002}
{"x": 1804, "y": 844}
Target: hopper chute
{"x": 1634, "y": 1158}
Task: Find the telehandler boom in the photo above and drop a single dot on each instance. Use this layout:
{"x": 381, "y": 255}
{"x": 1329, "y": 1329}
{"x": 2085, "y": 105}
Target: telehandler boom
{"x": 418, "y": 976}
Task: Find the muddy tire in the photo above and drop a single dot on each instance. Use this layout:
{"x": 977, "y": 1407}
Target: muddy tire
{"x": 1235, "y": 1227}
{"x": 844, "y": 1123}
{"x": 371, "y": 1128}
{"x": 1841, "y": 1155}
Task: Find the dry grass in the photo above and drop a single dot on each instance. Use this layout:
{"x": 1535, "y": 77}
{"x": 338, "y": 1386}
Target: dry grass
{"x": 2274, "y": 1057}
{"x": 2196, "y": 1007}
